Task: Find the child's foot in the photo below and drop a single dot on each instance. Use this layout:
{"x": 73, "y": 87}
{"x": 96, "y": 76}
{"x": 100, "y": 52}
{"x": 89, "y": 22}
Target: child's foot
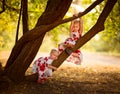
{"x": 68, "y": 50}
{"x": 71, "y": 45}
{"x": 68, "y": 60}
{"x": 77, "y": 62}
{"x": 40, "y": 81}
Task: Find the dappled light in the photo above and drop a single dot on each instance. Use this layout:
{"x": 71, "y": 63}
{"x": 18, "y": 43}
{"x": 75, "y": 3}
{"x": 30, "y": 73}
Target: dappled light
{"x": 94, "y": 75}
{"x": 73, "y": 79}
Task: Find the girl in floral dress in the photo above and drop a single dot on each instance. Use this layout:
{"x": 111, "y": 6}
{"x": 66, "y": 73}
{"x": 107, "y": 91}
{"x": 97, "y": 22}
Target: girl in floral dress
{"x": 42, "y": 66}
{"x": 76, "y": 29}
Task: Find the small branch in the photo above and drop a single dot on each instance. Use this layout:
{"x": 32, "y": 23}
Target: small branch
{"x": 97, "y": 2}
{"x": 25, "y": 16}
{"x": 3, "y": 6}
{"x": 12, "y": 8}
{"x": 17, "y": 32}
{"x": 17, "y": 10}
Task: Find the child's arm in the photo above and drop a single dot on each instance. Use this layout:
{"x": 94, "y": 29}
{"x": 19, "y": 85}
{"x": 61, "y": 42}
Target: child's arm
{"x": 81, "y": 25}
{"x": 71, "y": 25}
{"x": 52, "y": 67}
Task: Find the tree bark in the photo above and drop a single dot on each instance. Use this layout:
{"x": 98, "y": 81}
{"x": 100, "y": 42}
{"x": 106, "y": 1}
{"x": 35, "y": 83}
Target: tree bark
{"x": 24, "y": 52}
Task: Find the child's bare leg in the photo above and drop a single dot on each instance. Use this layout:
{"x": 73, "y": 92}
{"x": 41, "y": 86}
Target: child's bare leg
{"x": 69, "y": 59}
{"x": 77, "y": 58}
{"x": 78, "y": 62}
{"x": 61, "y": 47}
{"x": 41, "y": 80}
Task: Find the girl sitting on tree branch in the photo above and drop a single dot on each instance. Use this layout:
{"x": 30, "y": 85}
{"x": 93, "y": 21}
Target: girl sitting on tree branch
{"x": 76, "y": 29}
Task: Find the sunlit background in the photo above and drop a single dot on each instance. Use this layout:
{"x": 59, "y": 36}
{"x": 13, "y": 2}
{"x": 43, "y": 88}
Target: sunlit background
{"x": 102, "y": 42}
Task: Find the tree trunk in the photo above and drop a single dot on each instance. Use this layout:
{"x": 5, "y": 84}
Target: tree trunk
{"x": 22, "y": 55}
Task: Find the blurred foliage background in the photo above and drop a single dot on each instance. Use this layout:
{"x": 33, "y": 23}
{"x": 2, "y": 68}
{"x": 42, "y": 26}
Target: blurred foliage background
{"x": 106, "y": 41}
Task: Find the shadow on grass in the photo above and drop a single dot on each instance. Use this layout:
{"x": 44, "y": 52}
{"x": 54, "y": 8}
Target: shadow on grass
{"x": 79, "y": 83}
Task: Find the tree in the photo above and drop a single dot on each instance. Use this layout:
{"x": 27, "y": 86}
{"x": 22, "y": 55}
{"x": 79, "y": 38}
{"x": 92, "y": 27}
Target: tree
{"x": 27, "y": 46}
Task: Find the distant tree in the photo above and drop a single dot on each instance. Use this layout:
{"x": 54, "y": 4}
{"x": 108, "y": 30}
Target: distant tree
{"x": 111, "y": 34}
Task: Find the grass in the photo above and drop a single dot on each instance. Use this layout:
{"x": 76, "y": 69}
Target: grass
{"x": 74, "y": 79}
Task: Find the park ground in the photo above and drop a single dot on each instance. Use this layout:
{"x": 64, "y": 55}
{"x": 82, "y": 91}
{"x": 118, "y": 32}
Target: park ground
{"x": 98, "y": 74}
